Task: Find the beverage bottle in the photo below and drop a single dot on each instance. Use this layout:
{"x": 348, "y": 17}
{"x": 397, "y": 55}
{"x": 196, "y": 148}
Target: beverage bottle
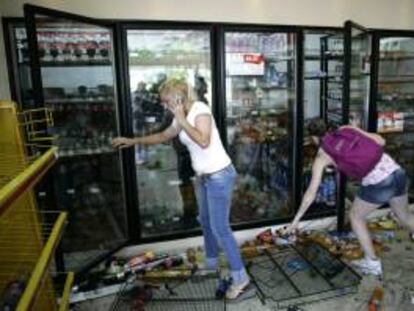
{"x": 191, "y": 255}
{"x": 140, "y": 259}
{"x": 171, "y": 262}
{"x": 376, "y": 303}
{"x": 199, "y": 255}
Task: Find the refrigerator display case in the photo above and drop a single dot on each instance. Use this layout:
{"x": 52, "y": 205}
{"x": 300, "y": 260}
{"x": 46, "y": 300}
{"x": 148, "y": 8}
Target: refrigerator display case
{"x": 259, "y": 81}
{"x": 17, "y": 51}
{"x": 395, "y": 97}
{"x": 357, "y": 85}
{"x": 166, "y": 197}
{"x": 358, "y": 41}
{"x": 73, "y": 70}
{"x": 260, "y": 94}
{"x": 332, "y": 47}
{"x": 323, "y": 55}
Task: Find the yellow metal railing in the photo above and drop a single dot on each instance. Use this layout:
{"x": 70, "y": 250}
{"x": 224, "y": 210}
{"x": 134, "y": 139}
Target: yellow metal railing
{"x": 41, "y": 266}
{"x": 28, "y": 237}
{"x": 64, "y": 302}
{"x": 26, "y": 179}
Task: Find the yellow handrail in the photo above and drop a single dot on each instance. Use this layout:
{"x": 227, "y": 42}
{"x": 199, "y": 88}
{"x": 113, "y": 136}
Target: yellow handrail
{"x": 42, "y": 264}
{"x": 26, "y": 179}
{"x": 64, "y": 302}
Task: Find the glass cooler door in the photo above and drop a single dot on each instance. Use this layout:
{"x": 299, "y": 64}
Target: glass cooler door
{"x": 395, "y": 100}
{"x": 333, "y": 62}
{"x": 74, "y": 75}
{"x": 357, "y": 73}
{"x": 323, "y": 66}
{"x": 17, "y": 50}
{"x": 357, "y": 80}
{"x": 167, "y": 202}
{"x": 260, "y": 95}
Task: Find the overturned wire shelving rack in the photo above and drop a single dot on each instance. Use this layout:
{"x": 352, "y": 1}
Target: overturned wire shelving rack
{"x": 28, "y": 237}
{"x": 300, "y": 274}
{"x": 181, "y": 292}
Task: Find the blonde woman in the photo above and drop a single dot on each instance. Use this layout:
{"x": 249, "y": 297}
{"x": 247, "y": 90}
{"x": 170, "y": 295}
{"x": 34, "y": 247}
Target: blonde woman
{"x": 195, "y": 126}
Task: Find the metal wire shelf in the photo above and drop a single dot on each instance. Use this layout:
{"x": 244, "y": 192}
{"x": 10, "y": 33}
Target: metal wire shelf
{"x": 300, "y": 274}
{"x": 192, "y": 292}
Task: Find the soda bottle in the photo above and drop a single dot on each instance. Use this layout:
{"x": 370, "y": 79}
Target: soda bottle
{"x": 172, "y": 262}
{"x": 325, "y": 191}
{"x": 191, "y": 255}
{"x": 332, "y": 191}
{"x": 140, "y": 259}
{"x": 376, "y": 303}
{"x": 199, "y": 255}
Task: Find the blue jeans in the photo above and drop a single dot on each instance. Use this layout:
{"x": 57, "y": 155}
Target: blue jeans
{"x": 214, "y": 192}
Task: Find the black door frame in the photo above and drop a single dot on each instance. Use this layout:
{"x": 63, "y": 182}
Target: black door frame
{"x": 30, "y": 11}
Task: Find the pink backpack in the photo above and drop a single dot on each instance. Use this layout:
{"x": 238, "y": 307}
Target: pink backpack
{"x": 354, "y": 154}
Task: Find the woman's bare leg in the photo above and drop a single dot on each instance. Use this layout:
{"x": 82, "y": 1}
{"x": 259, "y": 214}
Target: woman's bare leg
{"x": 360, "y": 209}
{"x": 399, "y": 206}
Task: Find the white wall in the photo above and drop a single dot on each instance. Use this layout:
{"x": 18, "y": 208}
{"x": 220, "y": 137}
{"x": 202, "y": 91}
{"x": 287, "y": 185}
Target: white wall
{"x": 372, "y": 13}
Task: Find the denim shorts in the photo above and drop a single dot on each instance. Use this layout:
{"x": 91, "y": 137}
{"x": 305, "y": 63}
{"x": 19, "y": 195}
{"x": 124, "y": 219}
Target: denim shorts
{"x": 393, "y": 186}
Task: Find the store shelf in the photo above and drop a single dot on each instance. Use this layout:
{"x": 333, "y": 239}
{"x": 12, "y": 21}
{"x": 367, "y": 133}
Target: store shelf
{"x": 335, "y": 107}
{"x": 333, "y": 57}
{"x": 312, "y": 57}
{"x": 399, "y": 79}
{"x": 360, "y": 76}
{"x": 395, "y": 76}
{"x": 408, "y": 103}
{"x": 272, "y": 87}
{"x": 337, "y": 81}
{"x": 78, "y": 101}
{"x": 273, "y": 59}
{"x": 176, "y": 60}
{"x": 314, "y": 77}
{"x": 23, "y": 64}
{"x": 334, "y": 116}
{"x": 79, "y": 153}
{"x": 81, "y": 63}
{"x": 399, "y": 133}
{"x": 397, "y": 57}
{"x": 334, "y": 99}
{"x": 334, "y": 78}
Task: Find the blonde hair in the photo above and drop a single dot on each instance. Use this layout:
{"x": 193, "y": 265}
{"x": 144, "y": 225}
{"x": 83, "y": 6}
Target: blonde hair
{"x": 177, "y": 87}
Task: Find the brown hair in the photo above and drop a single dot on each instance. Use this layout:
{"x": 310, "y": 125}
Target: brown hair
{"x": 317, "y": 127}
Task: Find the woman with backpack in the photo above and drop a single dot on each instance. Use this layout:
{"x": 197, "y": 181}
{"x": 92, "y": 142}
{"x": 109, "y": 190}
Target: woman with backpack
{"x": 358, "y": 155}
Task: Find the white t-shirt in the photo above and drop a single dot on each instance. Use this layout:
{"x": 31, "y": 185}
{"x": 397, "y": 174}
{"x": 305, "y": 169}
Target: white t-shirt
{"x": 204, "y": 160}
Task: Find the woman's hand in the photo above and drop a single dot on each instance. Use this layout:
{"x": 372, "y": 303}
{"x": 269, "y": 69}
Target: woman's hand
{"x": 292, "y": 229}
{"x": 122, "y": 142}
{"x": 178, "y": 110}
